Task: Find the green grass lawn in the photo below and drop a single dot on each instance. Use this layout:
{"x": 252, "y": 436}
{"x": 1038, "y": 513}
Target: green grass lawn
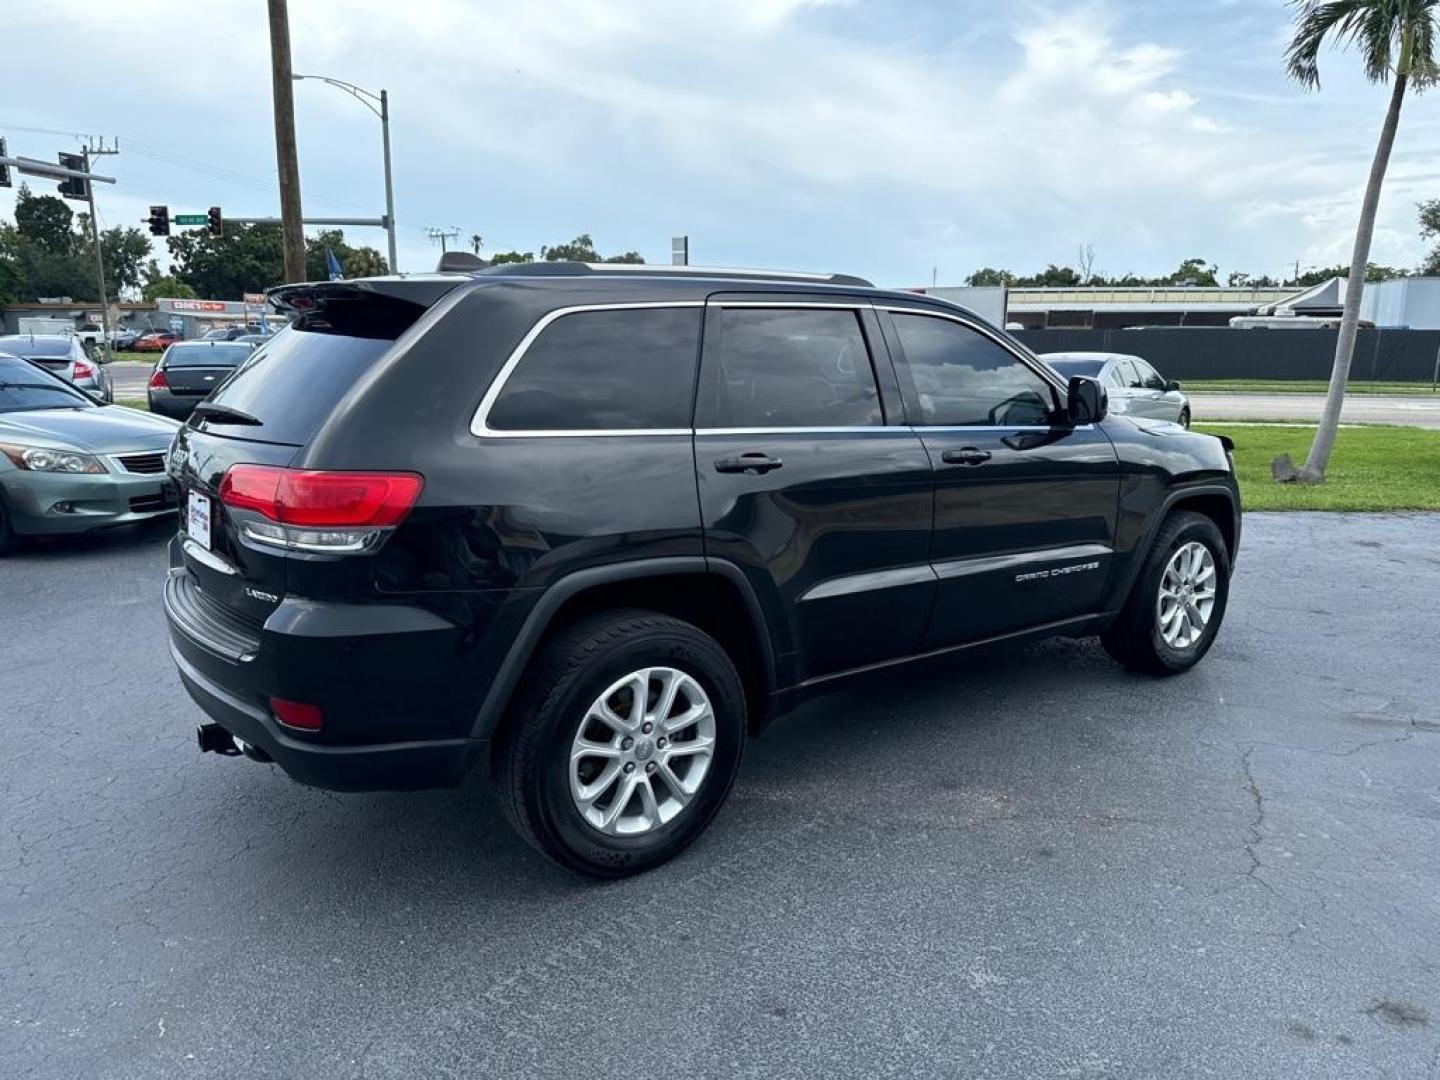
{"x": 1299, "y": 386}
{"x": 1373, "y": 468}
{"x": 143, "y": 404}
{"x": 137, "y": 357}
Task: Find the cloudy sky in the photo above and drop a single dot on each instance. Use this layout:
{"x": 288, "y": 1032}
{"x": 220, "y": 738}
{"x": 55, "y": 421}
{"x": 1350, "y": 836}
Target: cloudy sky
{"x": 888, "y": 138}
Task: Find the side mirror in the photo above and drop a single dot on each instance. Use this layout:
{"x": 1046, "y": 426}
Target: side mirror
{"x": 1086, "y": 402}
{"x": 1171, "y": 386}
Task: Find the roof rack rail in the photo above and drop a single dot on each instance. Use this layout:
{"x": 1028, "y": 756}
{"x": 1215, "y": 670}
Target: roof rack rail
{"x": 575, "y": 269}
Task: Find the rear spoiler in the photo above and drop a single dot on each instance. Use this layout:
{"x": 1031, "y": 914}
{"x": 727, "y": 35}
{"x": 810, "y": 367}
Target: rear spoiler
{"x": 423, "y": 290}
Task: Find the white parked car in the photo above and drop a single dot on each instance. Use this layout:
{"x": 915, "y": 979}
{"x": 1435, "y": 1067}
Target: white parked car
{"x": 1135, "y": 388}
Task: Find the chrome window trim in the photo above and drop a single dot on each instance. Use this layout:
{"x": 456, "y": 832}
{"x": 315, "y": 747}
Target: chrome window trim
{"x": 859, "y": 430}
{"x": 1046, "y": 375}
{"x": 1001, "y": 427}
{"x": 480, "y": 422}
{"x": 856, "y": 306}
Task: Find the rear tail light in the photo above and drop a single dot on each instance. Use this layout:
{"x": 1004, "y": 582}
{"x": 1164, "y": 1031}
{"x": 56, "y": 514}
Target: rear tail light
{"x": 158, "y": 380}
{"x": 311, "y": 510}
{"x": 298, "y": 714}
{"x": 84, "y": 369}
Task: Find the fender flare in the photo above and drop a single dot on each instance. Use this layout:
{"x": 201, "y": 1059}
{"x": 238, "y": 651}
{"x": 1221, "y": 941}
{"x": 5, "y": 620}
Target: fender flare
{"x": 537, "y": 622}
{"x": 1172, "y": 497}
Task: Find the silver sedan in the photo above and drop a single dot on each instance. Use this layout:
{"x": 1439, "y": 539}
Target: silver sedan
{"x": 69, "y": 464}
{"x": 65, "y": 355}
{"x": 1135, "y": 388}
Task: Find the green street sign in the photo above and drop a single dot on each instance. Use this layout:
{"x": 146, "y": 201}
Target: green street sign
{"x": 190, "y": 219}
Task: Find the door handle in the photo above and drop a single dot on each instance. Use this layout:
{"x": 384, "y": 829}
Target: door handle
{"x": 966, "y": 455}
{"x": 754, "y": 463}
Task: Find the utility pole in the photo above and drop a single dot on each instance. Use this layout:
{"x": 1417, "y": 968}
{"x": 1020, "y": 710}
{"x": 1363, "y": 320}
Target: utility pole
{"x": 89, "y": 152}
{"x": 286, "y": 160}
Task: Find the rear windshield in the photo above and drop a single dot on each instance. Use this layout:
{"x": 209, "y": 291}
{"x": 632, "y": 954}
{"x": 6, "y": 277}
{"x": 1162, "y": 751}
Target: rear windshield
{"x": 221, "y": 354}
{"x": 23, "y": 386}
{"x": 1065, "y": 366}
{"x": 292, "y": 382}
{"x": 36, "y": 348}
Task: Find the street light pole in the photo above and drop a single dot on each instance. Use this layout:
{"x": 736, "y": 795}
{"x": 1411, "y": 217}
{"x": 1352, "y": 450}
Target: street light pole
{"x": 389, "y": 184}
{"x": 369, "y": 100}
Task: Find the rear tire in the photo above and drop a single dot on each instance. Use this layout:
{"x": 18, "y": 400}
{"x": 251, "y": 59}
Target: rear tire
{"x": 583, "y": 687}
{"x": 1185, "y": 418}
{"x": 1178, "y": 601}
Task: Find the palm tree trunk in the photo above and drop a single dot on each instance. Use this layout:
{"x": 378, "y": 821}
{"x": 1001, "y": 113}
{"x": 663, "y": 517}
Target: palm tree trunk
{"x": 1313, "y": 471}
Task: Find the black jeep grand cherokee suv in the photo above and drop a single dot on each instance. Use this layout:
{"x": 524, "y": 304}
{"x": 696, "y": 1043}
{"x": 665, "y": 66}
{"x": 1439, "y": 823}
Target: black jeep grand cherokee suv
{"x": 588, "y": 527}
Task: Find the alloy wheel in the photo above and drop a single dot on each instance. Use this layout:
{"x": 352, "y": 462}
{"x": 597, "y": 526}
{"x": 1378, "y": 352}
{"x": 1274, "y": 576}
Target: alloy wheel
{"x": 1187, "y": 595}
{"x": 642, "y": 751}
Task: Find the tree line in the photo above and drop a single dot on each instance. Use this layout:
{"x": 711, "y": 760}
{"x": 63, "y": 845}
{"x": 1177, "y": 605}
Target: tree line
{"x": 46, "y": 251}
{"x": 1202, "y": 272}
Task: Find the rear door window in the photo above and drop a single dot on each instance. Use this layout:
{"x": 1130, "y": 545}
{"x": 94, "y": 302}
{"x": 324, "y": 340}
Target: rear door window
{"x": 792, "y": 367}
{"x": 629, "y": 369}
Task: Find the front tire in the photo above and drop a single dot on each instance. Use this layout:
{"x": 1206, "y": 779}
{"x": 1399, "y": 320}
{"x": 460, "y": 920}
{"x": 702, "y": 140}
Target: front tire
{"x": 623, "y": 743}
{"x": 1178, "y": 601}
{"x": 1185, "y": 418}
{"x": 9, "y": 541}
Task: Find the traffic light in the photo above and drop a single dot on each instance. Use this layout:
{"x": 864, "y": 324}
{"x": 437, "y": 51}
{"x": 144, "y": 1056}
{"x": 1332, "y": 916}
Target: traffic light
{"x": 74, "y": 187}
{"x": 4, "y": 169}
{"x": 217, "y": 223}
{"x": 159, "y": 221}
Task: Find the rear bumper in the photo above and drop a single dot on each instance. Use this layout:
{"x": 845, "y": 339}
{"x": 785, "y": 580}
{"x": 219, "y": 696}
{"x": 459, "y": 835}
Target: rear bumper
{"x": 404, "y": 766}
{"x": 175, "y": 406}
{"x": 398, "y": 694}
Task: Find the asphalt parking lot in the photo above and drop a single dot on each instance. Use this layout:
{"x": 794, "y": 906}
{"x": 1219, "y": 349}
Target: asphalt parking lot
{"x": 1034, "y": 866}
{"x": 130, "y": 378}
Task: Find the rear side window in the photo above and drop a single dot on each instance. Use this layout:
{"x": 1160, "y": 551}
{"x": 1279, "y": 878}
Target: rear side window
{"x": 292, "y": 382}
{"x": 622, "y": 370}
{"x": 800, "y": 367}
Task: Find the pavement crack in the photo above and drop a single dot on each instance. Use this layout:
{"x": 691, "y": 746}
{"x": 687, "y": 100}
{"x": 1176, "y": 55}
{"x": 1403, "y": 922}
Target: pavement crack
{"x": 1256, "y": 827}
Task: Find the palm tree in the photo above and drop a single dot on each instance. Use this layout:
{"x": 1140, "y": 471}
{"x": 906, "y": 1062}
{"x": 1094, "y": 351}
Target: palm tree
{"x": 1395, "y": 37}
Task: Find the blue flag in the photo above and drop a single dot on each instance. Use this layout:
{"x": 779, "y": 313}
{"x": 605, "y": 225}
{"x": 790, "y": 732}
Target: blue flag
{"x": 332, "y": 265}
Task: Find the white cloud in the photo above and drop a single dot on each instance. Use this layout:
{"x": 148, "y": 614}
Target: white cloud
{"x": 773, "y": 130}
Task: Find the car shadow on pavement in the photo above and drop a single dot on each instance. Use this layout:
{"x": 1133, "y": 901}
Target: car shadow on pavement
{"x": 154, "y": 532}
{"x": 410, "y": 847}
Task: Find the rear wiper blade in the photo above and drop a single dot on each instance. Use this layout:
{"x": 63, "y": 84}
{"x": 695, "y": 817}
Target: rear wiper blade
{"x": 224, "y": 414}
